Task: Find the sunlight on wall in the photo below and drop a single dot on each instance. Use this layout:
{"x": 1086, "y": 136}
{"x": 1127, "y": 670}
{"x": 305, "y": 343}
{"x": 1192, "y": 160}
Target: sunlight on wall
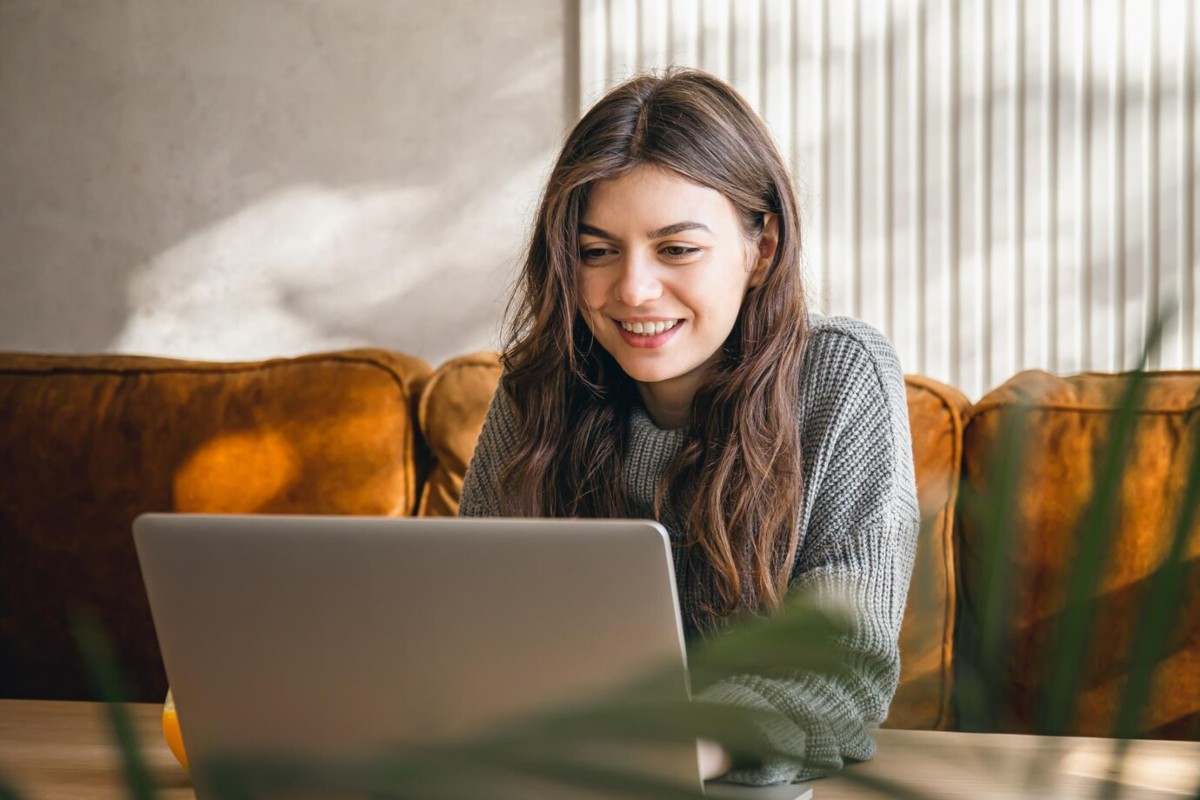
{"x": 305, "y": 269}
{"x": 235, "y": 180}
{"x": 277, "y": 276}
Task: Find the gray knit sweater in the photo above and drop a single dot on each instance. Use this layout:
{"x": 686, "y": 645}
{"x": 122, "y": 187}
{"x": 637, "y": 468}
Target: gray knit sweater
{"x": 858, "y": 535}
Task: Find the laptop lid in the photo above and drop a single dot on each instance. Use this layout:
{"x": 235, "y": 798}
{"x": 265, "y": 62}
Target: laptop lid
{"x": 334, "y": 637}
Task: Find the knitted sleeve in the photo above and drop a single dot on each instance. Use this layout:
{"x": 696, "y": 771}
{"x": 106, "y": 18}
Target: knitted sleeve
{"x": 859, "y": 544}
{"x": 481, "y": 485}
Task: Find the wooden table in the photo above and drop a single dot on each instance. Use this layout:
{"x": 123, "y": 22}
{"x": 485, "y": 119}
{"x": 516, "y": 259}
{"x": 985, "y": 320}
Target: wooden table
{"x": 63, "y": 751}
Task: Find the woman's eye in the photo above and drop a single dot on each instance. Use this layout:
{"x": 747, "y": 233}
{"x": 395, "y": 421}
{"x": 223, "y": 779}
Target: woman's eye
{"x": 594, "y": 253}
{"x": 679, "y": 251}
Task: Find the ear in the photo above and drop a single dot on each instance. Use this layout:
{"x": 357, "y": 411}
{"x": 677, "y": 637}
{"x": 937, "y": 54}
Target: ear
{"x": 768, "y": 243}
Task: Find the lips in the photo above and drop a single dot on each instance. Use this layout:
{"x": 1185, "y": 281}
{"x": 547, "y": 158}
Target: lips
{"x": 648, "y": 341}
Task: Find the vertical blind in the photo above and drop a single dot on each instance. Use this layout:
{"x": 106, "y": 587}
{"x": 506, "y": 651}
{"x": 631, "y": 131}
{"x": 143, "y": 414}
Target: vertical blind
{"x": 997, "y": 185}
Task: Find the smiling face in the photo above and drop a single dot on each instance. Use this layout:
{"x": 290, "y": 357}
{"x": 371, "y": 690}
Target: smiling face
{"x": 664, "y": 265}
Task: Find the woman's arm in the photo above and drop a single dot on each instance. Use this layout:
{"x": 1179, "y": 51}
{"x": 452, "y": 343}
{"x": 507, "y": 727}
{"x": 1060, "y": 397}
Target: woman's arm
{"x": 858, "y": 546}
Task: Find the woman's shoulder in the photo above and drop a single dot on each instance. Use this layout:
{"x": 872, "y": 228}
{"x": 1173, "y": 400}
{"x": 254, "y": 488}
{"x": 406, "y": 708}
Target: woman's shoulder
{"x": 847, "y": 341}
{"x": 832, "y": 332}
{"x": 846, "y": 356}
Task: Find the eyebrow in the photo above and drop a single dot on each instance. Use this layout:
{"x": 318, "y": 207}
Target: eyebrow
{"x": 667, "y": 230}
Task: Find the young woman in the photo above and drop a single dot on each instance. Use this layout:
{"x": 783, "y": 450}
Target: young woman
{"x": 661, "y": 363}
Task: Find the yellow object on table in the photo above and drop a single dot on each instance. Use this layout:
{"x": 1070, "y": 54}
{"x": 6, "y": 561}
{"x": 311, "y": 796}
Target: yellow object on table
{"x": 170, "y": 726}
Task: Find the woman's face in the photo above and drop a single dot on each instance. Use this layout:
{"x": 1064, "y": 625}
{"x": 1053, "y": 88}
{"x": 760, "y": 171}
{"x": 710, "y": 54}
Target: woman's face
{"x": 663, "y": 268}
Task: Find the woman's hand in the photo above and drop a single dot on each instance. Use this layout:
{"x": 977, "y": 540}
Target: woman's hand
{"x": 715, "y": 760}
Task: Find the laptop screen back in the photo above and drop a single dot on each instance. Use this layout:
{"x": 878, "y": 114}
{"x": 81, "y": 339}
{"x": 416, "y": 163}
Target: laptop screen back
{"x": 334, "y": 637}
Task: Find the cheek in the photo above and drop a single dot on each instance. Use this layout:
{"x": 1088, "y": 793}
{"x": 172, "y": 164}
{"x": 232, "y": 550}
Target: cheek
{"x": 591, "y": 292}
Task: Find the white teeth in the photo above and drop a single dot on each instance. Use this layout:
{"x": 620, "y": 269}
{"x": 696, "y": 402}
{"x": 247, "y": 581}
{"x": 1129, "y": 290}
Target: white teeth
{"x": 649, "y": 328}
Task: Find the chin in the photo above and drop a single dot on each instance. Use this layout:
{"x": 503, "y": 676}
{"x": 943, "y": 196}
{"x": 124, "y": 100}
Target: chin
{"x": 650, "y": 373}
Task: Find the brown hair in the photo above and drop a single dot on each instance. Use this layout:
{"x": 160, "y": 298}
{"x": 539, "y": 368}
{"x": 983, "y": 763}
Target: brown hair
{"x": 735, "y": 485}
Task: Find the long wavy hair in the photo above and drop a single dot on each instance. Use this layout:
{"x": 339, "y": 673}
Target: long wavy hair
{"x": 735, "y": 486}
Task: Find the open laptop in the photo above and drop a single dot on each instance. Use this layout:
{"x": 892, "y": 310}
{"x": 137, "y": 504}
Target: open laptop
{"x": 337, "y": 637}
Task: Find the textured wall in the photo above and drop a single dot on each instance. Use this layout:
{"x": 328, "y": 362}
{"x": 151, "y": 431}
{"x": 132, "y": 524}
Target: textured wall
{"x": 234, "y": 179}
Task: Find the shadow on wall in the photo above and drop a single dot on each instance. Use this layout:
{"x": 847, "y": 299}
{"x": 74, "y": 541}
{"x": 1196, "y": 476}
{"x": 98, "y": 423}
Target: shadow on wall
{"x": 229, "y": 180}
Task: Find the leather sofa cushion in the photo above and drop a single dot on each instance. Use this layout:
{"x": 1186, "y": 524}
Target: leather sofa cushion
{"x": 1069, "y": 422}
{"x": 89, "y": 442}
{"x": 451, "y": 416}
{"x": 936, "y": 415}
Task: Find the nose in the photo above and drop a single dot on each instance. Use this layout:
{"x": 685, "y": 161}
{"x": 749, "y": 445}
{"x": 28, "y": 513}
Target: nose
{"x": 637, "y": 282}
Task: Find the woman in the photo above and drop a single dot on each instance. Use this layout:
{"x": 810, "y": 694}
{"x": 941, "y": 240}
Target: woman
{"x": 661, "y": 364}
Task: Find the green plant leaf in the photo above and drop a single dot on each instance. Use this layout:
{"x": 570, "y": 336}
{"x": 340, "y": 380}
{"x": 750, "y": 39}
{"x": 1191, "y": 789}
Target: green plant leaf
{"x": 106, "y": 677}
{"x": 1157, "y": 616}
{"x": 545, "y": 746}
{"x": 983, "y": 680}
{"x": 802, "y": 637}
{"x": 7, "y": 791}
{"x": 1094, "y": 537}
{"x": 1158, "y": 611}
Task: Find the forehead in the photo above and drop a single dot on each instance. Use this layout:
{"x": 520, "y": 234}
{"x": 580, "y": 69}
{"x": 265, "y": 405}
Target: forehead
{"x": 650, "y": 197}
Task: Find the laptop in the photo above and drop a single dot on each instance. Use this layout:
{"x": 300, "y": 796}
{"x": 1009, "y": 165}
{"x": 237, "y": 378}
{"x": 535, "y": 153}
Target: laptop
{"x": 335, "y": 638}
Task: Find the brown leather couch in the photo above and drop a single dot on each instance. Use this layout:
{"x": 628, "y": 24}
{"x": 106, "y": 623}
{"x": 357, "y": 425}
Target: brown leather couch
{"x": 89, "y": 442}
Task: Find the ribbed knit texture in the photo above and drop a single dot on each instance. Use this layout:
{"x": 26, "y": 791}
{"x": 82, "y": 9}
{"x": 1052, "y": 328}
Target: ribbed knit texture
{"x": 858, "y": 533}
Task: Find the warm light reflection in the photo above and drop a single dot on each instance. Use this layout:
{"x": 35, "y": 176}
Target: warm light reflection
{"x": 236, "y": 473}
{"x": 1158, "y": 770}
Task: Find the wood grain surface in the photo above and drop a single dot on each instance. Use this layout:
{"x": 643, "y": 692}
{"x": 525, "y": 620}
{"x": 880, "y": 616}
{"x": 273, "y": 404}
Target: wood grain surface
{"x": 64, "y": 751}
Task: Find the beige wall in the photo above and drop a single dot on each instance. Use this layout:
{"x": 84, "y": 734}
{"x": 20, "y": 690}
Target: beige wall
{"x": 230, "y": 179}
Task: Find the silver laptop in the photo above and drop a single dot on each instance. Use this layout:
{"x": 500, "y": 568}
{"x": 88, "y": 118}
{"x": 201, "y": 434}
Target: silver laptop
{"x": 333, "y": 638}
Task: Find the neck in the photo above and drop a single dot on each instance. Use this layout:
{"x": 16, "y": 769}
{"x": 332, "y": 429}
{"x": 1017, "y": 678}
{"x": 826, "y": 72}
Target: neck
{"x": 669, "y": 403}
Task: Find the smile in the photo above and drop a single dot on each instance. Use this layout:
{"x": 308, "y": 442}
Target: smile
{"x": 648, "y": 335}
{"x": 649, "y": 328}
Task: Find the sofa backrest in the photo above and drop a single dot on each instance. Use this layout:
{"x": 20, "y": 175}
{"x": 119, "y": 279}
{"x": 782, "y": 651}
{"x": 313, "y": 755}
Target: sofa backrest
{"x": 89, "y": 442}
{"x": 451, "y": 416}
{"x": 1067, "y": 423}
